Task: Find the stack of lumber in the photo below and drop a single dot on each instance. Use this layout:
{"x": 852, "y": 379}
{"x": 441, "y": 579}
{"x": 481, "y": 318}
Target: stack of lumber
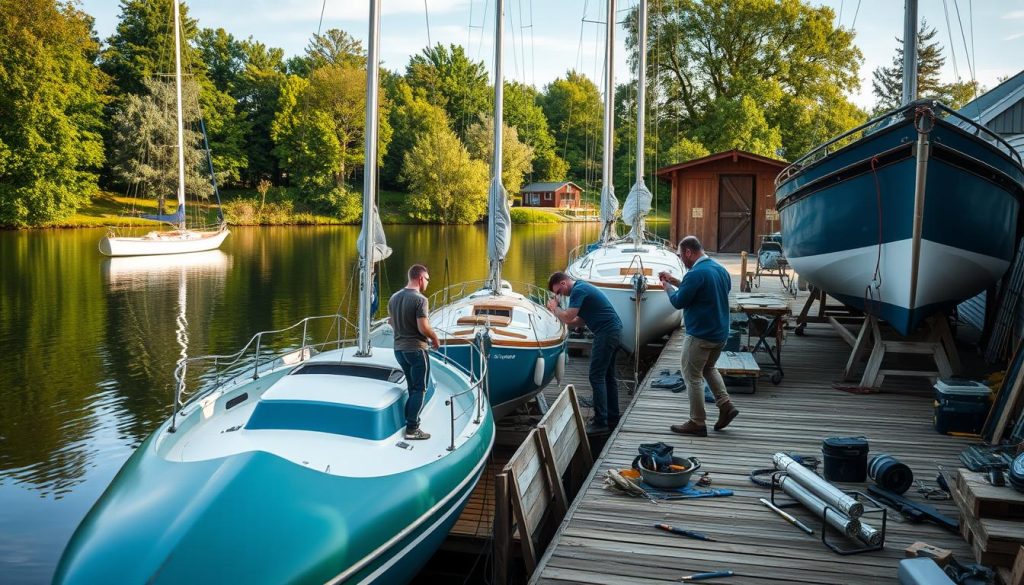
{"x": 991, "y": 520}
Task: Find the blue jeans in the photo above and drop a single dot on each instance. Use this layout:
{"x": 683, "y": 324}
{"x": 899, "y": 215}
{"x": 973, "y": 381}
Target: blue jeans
{"x": 416, "y": 366}
{"x": 602, "y": 377}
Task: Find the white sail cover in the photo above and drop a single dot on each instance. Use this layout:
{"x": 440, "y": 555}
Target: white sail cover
{"x": 499, "y": 222}
{"x": 638, "y": 204}
{"x": 609, "y": 204}
{"x": 381, "y": 250}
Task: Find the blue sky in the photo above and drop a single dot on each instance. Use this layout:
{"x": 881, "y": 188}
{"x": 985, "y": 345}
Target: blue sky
{"x": 559, "y": 39}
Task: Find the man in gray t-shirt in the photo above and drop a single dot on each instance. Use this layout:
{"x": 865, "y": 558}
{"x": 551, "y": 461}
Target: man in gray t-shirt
{"x": 407, "y": 313}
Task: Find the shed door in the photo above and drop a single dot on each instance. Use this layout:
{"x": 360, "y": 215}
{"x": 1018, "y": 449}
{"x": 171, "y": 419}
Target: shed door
{"x": 735, "y": 213}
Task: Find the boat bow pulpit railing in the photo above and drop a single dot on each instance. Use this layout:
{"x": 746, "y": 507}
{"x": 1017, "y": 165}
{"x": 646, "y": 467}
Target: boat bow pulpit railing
{"x": 938, "y": 109}
{"x": 249, "y": 363}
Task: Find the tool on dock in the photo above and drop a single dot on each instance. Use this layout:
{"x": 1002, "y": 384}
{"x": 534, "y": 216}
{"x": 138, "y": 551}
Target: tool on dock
{"x": 702, "y": 576}
{"x": 686, "y": 533}
{"x": 914, "y": 511}
{"x": 787, "y": 516}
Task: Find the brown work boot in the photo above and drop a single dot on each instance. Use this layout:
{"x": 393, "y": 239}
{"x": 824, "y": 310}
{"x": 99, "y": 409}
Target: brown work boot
{"x": 691, "y": 428}
{"x": 726, "y": 413}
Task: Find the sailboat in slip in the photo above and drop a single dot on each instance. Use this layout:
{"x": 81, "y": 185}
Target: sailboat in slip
{"x": 625, "y": 268}
{"x": 181, "y": 239}
{"x": 290, "y": 466}
{"x": 524, "y": 343}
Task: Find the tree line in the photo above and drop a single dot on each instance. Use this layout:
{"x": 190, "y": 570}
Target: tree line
{"x": 80, "y": 114}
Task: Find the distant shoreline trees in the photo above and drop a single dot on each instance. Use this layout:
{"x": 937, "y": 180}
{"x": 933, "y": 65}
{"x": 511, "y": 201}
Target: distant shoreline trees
{"x": 769, "y": 76}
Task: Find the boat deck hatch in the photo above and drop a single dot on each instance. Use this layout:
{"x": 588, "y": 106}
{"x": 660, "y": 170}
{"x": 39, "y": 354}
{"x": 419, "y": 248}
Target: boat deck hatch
{"x": 371, "y": 372}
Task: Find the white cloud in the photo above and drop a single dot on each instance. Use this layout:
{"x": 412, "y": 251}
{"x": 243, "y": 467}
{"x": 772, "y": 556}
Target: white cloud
{"x": 1014, "y": 36}
{"x": 1014, "y": 15}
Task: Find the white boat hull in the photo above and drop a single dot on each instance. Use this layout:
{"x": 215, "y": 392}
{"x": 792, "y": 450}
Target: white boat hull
{"x": 611, "y": 268}
{"x": 161, "y": 243}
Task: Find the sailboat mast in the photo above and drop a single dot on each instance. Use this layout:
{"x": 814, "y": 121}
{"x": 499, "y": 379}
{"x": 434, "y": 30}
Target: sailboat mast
{"x": 641, "y": 100}
{"x": 607, "y": 188}
{"x": 181, "y": 129}
{"x": 909, "y": 52}
{"x": 369, "y": 180}
{"x": 496, "y": 166}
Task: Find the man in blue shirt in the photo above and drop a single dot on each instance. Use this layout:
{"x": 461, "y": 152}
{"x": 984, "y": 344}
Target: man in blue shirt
{"x": 703, "y": 295}
{"x": 588, "y": 306}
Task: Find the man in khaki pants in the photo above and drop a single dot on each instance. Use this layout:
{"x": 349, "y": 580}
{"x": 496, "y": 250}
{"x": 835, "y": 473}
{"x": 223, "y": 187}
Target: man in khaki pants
{"x": 703, "y": 294}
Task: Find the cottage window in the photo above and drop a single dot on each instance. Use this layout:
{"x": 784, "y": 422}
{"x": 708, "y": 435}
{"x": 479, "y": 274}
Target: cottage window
{"x": 548, "y": 196}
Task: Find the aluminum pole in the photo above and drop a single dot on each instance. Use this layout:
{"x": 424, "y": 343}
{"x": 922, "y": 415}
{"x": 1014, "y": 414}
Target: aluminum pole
{"x": 496, "y": 160}
{"x": 369, "y": 180}
{"x": 841, "y": 522}
{"x": 909, "y": 52}
{"x": 607, "y": 186}
{"x": 181, "y": 124}
{"x": 822, "y": 489}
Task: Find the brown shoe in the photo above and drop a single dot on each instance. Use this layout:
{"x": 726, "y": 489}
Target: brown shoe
{"x": 691, "y": 428}
{"x": 726, "y": 413}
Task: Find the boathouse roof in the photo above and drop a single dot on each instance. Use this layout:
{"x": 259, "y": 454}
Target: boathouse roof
{"x": 1000, "y": 109}
{"x": 545, "y": 187}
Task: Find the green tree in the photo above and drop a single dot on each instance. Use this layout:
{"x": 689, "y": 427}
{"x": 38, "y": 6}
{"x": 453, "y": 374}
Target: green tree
{"x": 52, "y": 98}
{"x": 787, "y": 56}
{"x": 257, "y": 91}
{"x": 447, "y": 185}
{"x": 318, "y": 130}
{"x": 516, "y": 157}
{"x": 450, "y": 80}
{"x": 523, "y": 112}
{"x": 334, "y": 47}
{"x": 574, "y": 112}
{"x": 224, "y": 57}
{"x": 686, "y": 149}
{"x": 145, "y": 143}
{"x": 887, "y": 82}
{"x": 411, "y": 115}
{"x": 142, "y": 45}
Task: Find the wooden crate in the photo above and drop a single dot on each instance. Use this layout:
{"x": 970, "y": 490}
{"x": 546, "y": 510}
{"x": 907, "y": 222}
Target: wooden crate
{"x": 994, "y": 540}
{"x": 984, "y": 500}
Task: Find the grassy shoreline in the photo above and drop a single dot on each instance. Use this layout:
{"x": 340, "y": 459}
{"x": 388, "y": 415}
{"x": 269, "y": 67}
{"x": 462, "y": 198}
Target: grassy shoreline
{"x": 242, "y": 209}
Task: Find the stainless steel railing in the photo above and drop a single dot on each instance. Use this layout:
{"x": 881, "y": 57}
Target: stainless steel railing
{"x": 248, "y": 363}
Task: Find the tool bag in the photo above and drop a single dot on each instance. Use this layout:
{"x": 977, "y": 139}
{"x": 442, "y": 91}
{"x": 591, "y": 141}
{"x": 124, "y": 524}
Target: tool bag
{"x": 654, "y": 456}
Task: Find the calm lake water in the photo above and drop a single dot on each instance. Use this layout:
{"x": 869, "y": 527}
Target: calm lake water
{"x": 89, "y": 344}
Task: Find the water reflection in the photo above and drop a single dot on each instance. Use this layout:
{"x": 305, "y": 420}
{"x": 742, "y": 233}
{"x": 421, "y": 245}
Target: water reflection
{"x": 90, "y": 344}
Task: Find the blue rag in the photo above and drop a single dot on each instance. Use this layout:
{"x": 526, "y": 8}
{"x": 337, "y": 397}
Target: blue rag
{"x": 688, "y": 491}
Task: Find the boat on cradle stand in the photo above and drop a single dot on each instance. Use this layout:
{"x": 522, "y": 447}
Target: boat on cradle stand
{"x": 906, "y": 215}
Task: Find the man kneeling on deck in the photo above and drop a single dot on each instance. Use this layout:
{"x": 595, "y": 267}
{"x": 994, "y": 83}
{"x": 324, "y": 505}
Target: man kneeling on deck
{"x": 703, "y": 295}
{"x": 588, "y": 306}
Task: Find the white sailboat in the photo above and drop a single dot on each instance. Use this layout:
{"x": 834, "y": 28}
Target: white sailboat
{"x": 292, "y": 467}
{"x": 523, "y": 341}
{"x": 180, "y": 240}
{"x": 626, "y": 268}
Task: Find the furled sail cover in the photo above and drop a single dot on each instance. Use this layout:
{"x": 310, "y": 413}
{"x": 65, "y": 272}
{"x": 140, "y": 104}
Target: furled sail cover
{"x": 499, "y": 223}
{"x": 609, "y": 204}
{"x": 638, "y": 204}
{"x": 177, "y": 218}
{"x": 380, "y": 244}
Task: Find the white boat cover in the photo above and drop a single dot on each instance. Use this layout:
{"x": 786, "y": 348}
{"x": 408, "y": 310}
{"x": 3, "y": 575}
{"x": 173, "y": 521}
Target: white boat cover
{"x": 609, "y": 204}
{"x": 381, "y": 250}
{"x": 499, "y": 225}
{"x": 638, "y": 205}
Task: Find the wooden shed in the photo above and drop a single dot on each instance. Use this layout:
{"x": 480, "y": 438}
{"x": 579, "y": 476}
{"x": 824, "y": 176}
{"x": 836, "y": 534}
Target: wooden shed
{"x": 725, "y": 199}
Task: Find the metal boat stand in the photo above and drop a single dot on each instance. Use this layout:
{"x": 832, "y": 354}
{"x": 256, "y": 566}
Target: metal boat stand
{"x": 934, "y": 339}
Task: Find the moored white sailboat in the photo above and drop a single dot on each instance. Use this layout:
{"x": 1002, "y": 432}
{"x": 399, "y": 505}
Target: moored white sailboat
{"x": 180, "y": 240}
{"x": 626, "y": 268}
{"x": 290, "y": 467}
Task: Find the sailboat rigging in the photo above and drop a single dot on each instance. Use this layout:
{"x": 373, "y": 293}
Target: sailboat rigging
{"x": 626, "y": 268}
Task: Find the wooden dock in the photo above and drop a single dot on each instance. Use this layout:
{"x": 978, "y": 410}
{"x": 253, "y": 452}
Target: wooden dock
{"x": 610, "y": 539}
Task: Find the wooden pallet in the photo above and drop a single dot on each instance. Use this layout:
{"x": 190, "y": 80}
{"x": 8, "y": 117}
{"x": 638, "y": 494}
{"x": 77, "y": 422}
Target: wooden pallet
{"x": 984, "y": 500}
{"x": 994, "y": 539}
